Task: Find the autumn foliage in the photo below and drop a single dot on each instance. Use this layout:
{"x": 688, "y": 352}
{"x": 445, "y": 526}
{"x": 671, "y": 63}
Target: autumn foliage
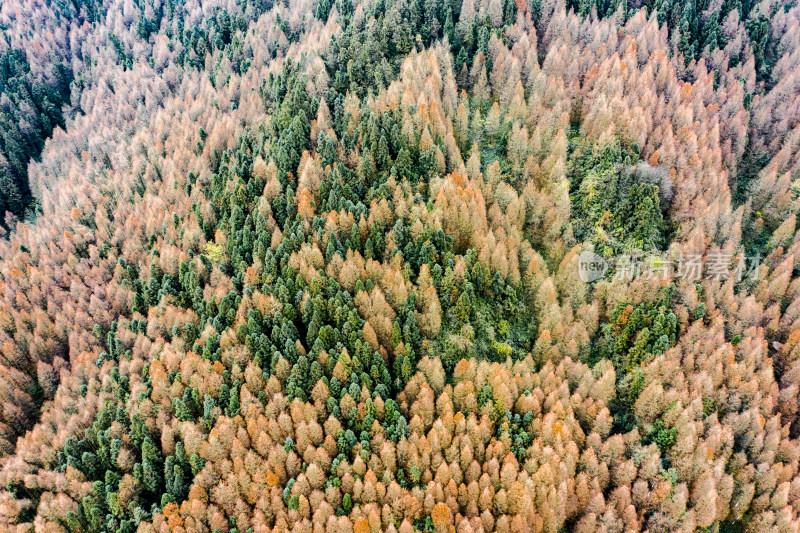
{"x": 315, "y": 267}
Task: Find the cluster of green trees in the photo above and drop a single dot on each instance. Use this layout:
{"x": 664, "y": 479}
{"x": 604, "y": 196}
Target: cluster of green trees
{"x": 220, "y": 31}
{"x": 631, "y": 336}
{"x": 30, "y": 108}
{"x": 618, "y": 204}
{"x": 697, "y": 25}
{"x": 115, "y": 444}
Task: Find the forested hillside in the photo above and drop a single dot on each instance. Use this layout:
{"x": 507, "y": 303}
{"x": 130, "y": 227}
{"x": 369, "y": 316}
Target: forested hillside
{"x": 399, "y": 265}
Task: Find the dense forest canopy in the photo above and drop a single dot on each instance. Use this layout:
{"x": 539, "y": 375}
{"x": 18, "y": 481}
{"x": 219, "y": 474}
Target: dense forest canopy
{"x": 399, "y": 265}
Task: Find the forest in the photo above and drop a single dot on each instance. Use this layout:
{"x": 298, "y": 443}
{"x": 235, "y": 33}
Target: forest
{"x": 399, "y": 265}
